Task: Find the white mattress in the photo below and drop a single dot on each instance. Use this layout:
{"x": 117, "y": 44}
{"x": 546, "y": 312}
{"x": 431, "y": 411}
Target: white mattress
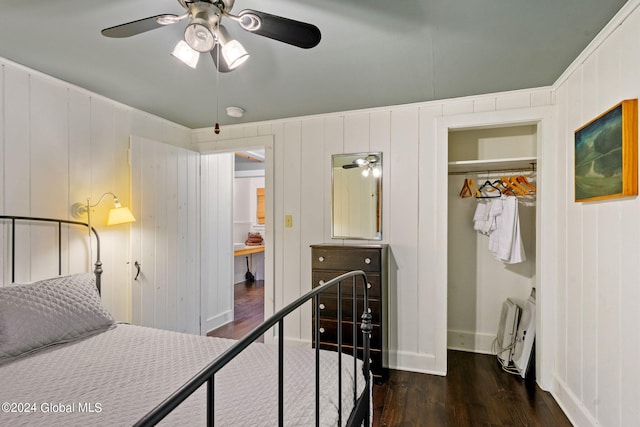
{"x": 123, "y": 373}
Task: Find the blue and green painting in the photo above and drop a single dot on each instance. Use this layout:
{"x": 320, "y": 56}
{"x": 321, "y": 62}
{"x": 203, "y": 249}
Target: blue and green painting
{"x": 598, "y": 152}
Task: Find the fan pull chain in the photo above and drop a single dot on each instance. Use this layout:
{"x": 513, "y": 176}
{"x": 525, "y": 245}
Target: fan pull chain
{"x": 216, "y": 128}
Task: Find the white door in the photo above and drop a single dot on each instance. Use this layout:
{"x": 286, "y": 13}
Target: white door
{"x": 165, "y": 197}
{"x": 217, "y": 240}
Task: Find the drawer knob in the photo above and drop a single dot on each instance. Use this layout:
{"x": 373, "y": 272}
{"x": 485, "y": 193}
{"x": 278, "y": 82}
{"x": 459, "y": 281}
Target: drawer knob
{"x": 368, "y": 285}
{"x": 321, "y": 330}
{"x": 321, "y": 259}
{"x": 321, "y": 282}
{"x": 367, "y": 260}
{"x": 321, "y": 306}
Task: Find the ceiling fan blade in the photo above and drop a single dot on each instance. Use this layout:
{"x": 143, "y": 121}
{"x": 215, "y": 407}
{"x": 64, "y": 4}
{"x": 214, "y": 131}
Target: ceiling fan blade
{"x": 135, "y": 27}
{"x": 286, "y": 30}
{"x": 222, "y": 66}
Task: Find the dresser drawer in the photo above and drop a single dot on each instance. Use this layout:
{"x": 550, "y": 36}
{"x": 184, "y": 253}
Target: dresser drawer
{"x": 320, "y": 277}
{"x": 329, "y": 308}
{"x": 338, "y": 258}
{"x": 329, "y": 333}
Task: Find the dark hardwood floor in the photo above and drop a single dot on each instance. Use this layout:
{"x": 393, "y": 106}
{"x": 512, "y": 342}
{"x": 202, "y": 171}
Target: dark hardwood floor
{"x": 475, "y": 392}
{"x": 248, "y": 311}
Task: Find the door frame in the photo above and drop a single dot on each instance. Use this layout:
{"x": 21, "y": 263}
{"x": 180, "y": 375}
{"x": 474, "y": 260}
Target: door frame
{"x": 546, "y": 246}
{"x": 265, "y": 142}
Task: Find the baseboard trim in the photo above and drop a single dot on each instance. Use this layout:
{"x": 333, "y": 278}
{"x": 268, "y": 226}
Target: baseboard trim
{"x": 414, "y": 362}
{"x": 572, "y": 407}
{"x": 221, "y": 319}
{"x": 470, "y": 341}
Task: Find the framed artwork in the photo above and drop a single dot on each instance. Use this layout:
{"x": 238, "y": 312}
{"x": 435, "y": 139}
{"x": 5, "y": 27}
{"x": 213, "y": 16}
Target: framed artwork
{"x": 606, "y": 154}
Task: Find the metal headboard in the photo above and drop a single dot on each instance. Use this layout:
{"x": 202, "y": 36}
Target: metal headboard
{"x": 98, "y": 264}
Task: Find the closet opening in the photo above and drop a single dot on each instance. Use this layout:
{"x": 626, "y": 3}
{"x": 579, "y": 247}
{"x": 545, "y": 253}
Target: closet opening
{"x": 491, "y": 239}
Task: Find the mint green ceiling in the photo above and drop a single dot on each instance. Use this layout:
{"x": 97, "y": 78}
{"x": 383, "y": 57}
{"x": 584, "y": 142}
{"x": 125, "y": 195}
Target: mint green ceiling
{"x": 373, "y": 53}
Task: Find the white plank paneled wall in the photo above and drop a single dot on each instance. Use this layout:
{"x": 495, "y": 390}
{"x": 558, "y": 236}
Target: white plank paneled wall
{"x": 60, "y": 145}
{"x": 597, "y": 375}
{"x": 413, "y": 223}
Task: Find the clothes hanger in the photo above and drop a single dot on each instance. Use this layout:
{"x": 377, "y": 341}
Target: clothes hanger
{"x": 466, "y": 190}
{"x": 491, "y": 188}
{"x": 510, "y": 187}
{"x": 524, "y": 190}
{"x": 475, "y": 190}
{"x": 523, "y": 180}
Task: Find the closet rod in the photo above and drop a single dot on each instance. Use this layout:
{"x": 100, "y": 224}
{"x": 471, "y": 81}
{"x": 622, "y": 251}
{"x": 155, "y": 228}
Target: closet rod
{"x": 483, "y": 172}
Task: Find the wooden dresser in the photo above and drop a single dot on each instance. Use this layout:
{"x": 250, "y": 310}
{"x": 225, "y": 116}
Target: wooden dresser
{"x": 329, "y": 261}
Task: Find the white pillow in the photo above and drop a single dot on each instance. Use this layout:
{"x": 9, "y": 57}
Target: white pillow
{"x": 36, "y": 315}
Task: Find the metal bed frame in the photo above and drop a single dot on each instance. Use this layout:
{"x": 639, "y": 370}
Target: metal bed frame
{"x": 97, "y": 266}
{"x": 360, "y": 415}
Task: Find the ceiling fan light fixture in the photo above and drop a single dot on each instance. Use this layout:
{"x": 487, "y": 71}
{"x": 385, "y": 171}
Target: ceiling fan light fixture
{"x": 234, "y": 54}
{"x": 199, "y": 36}
{"x": 184, "y": 53}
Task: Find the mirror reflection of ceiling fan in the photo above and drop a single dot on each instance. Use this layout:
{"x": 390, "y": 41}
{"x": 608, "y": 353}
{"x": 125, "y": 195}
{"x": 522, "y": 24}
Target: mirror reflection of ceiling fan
{"x": 370, "y": 163}
{"x": 205, "y": 33}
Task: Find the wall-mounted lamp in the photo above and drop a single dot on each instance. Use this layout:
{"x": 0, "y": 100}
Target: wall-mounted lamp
{"x": 118, "y": 215}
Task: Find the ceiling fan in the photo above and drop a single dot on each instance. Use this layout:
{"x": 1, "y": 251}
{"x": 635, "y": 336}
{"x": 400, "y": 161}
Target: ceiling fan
{"x": 368, "y": 162}
{"x": 205, "y": 33}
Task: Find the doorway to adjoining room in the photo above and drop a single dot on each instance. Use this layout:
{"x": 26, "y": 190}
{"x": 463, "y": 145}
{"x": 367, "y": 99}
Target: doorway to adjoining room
{"x": 248, "y": 238}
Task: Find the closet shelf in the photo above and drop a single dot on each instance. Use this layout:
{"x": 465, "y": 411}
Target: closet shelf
{"x": 492, "y": 165}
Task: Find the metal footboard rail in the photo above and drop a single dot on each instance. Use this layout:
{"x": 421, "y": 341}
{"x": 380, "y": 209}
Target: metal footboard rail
{"x": 360, "y": 413}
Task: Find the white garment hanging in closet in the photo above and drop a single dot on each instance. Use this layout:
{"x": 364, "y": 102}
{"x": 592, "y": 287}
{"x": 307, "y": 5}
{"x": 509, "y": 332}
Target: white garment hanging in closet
{"x": 498, "y": 218}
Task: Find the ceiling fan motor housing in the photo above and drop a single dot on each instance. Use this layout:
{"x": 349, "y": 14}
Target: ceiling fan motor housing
{"x": 223, "y": 5}
{"x": 200, "y": 33}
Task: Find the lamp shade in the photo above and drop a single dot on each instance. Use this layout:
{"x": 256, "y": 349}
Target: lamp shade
{"x": 184, "y": 53}
{"x": 120, "y": 215}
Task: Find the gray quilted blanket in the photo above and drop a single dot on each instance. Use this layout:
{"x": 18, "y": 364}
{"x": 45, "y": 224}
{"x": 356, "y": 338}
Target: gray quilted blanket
{"x": 115, "y": 377}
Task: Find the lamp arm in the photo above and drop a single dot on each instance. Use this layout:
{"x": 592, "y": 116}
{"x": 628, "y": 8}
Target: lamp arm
{"x": 78, "y": 210}
{"x": 102, "y": 198}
